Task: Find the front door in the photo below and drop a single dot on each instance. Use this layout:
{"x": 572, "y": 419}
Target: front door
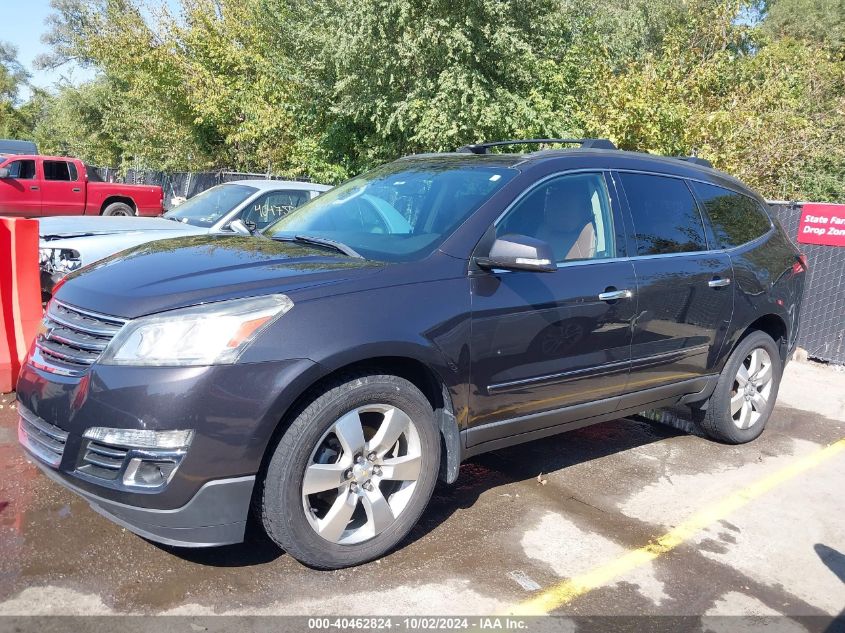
{"x": 684, "y": 287}
{"x": 545, "y": 347}
{"x": 20, "y": 193}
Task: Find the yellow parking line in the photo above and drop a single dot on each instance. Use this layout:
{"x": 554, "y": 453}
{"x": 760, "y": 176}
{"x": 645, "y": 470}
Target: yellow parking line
{"x": 566, "y": 591}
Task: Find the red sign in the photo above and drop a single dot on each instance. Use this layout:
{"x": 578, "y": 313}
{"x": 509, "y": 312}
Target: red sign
{"x": 822, "y": 224}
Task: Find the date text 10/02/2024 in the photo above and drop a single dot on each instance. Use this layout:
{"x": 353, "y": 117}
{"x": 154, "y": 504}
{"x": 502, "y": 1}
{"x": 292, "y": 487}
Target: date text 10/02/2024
{"x": 491, "y": 623}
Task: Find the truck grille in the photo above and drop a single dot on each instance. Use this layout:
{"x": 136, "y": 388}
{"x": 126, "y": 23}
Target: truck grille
{"x": 42, "y": 439}
{"x": 72, "y": 339}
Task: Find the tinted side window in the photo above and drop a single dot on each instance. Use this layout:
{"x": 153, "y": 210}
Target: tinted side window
{"x": 572, "y": 213}
{"x": 73, "y": 174}
{"x": 56, "y": 170}
{"x": 736, "y": 219}
{"x": 22, "y": 169}
{"x": 666, "y": 218}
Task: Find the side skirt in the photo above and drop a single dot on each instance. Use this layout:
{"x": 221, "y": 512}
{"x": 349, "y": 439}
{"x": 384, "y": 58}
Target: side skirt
{"x": 496, "y": 435}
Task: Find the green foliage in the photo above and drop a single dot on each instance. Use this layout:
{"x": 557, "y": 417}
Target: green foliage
{"x": 327, "y": 88}
{"x": 413, "y": 76}
{"x": 13, "y": 122}
{"x": 821, "y": 22}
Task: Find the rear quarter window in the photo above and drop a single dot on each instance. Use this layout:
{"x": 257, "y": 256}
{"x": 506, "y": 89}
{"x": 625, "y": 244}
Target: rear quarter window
{"x": 736, "y": 219}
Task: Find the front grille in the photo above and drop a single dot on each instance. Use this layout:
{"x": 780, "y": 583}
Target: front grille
{"x": 42, "y": 439}
{"x": 72, "y": 339}
{"x": 102, "y": 461}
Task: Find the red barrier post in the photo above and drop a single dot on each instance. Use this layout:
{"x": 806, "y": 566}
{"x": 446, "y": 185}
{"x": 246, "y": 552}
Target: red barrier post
{"x": 20, "y": 295}
{"x": 6, "y": 341}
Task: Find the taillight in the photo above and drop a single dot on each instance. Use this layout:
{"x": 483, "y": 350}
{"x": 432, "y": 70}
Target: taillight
{"x": 801, "y": 265}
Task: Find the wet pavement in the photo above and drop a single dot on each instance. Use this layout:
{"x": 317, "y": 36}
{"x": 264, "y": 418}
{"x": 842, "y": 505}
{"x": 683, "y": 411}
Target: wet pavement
{"x": 518, "y": 522}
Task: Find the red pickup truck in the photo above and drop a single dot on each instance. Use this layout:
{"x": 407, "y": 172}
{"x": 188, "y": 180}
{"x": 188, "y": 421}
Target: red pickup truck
{"x": 40, "y": 186}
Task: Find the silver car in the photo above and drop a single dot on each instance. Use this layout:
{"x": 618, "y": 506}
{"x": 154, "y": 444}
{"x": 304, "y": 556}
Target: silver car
{"x": 68, "y": 243}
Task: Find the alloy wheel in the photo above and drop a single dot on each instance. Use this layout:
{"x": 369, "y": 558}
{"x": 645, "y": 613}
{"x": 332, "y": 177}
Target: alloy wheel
{"x": 362, "y": 474}
{"x": 752, "y": 388}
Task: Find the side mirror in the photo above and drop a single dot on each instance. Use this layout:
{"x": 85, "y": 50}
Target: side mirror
{"x": 4, "y": 172}
{"x": 519, "y": 252}
{"x": 239, "y": 227}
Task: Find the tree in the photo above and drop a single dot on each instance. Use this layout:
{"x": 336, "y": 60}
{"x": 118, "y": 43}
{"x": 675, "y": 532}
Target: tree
{"x": 328, "y": 88}
{"x": 13, "y": 122}
{"x": 820, "y": 22}
{"x": 404, "y": 76}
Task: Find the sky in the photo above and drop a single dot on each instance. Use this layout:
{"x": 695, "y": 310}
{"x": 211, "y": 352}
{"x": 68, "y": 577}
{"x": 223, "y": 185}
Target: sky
{"x": 23, "y": 25}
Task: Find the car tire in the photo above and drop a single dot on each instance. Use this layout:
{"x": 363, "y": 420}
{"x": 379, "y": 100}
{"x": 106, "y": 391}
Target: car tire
{"x": 364, "y": 511}
{"x": 745, "y": 394}
{"x": 118, "y": 209}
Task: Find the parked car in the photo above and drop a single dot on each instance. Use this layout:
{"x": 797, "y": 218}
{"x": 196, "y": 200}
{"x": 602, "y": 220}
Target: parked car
{"x": 9, "y": 147}
{"x": 67, "y": 244}
{"x": 39, "y": 186}
{"x": 328, "y": 371}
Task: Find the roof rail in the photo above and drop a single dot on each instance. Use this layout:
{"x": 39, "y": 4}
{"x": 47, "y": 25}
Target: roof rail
{"x": 695, "y": 160}
{"x": 586, "y": 143}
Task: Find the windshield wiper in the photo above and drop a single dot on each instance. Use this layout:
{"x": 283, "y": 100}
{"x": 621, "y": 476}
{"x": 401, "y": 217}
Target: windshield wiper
{"x": 323, "y": 241}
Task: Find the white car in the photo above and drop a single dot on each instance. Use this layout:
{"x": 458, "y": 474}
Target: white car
{"x": 68, "y": 243}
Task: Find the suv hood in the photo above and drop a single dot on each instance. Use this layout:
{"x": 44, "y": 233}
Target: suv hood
{"x": 185, "y": 271}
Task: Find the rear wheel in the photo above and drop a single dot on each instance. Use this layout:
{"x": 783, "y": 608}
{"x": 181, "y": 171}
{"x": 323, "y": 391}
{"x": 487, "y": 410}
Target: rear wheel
{"x": 745, "y": 395}
{"x": 353, "y": 473}
{"x": 118, "y": 209}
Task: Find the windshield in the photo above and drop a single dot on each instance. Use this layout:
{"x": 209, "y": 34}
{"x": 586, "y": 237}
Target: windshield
{"x": 399, "y": 212}
{"x": 206, "y": 208}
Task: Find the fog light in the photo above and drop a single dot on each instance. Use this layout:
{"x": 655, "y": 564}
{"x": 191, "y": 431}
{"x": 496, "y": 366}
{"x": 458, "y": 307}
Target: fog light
{"x": 140, "y": 438}
{"x": 147, "y": 473}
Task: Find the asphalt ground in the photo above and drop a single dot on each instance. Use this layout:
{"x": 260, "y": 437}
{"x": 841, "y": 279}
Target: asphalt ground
{"x": 624, "y": 518}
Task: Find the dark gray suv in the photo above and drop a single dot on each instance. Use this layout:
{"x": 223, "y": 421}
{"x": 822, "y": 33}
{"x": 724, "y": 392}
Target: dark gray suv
{"x": 322, "y": 375}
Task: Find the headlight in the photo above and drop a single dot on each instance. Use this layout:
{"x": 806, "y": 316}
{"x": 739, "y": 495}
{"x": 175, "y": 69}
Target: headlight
{"x": 212, "y": 334}
{"x": 59, "y": 260}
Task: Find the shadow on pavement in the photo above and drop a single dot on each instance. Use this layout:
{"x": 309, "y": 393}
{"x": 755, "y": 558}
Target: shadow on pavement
{"x": 478, "y": 475}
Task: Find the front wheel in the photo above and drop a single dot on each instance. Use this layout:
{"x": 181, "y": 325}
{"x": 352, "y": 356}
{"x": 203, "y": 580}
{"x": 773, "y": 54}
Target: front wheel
{"x": 353, "y": 473}
{"x": 745, "y": 394}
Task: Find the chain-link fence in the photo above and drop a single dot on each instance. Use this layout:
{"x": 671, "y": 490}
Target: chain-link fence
{"x": 822, "y": 331}
{"x": 175, "y": 184}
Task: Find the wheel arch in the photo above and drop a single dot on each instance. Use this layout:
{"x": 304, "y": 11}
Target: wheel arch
{"x": 772, "y": 324}
{"x": 419, "y": 373}
{"x": 113, "y": 199}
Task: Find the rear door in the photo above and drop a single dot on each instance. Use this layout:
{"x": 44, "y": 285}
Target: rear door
{"x": 63, "y": 189}
{"x": 683, "y": 284}
{"x": 548, "y": 348}
{"x": 20, "y": 193}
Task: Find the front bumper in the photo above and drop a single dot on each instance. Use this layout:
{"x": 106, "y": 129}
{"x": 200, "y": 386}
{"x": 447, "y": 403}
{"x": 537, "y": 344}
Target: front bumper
{"x": 216, "y": 515}
{"x": 232, "y": 409}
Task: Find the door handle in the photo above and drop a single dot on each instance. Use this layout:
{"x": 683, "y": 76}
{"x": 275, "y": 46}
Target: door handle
{"x": 33, "y": 188}
{"x": 76, "y": 190}
{"x": 719, "y": 283}
{"x": 613, "y": 295}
